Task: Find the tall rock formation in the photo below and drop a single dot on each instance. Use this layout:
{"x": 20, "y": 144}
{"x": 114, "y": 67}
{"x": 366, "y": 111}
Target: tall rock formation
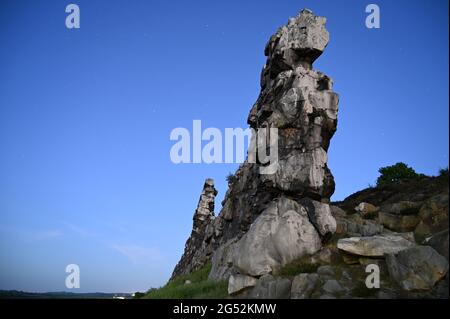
{"x": 197, "y": 250}
{"x": 268, "y": 220}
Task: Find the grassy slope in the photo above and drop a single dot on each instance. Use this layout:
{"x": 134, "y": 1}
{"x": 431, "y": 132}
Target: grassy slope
{"x": 199, "y": 288}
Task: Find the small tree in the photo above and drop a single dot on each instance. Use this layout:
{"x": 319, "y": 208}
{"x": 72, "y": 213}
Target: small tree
{"x": 395, "y": 173}
{"x": 443, "y": 172}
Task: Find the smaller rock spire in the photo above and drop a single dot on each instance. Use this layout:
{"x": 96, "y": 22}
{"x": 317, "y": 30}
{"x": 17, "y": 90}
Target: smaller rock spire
{"x": 205, "y": 206}
{"x": 195, "y": 256}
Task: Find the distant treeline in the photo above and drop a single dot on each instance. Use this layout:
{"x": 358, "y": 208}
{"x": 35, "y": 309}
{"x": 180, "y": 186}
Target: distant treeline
{"x": 15, "y": 294}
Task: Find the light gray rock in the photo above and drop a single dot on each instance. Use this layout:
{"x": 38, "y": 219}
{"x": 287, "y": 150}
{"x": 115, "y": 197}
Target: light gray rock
{"x": 279, "y": 235}
{"x": 300, "y": 168}
{"x": 320, "y": 216}
{"x": 269, "y": 287}
{"x": 195, "y": 254}
{"x": 417, "y": 268}
{"x": 375, "y": 246}
{"x": 364, "y": 228}
{"x": 303, "y": 285}
{"x": 238, "y": 282}
{"x": 222, "y": 261}
{"x": 300, "y": 42}
{"x": 407, "y": 235}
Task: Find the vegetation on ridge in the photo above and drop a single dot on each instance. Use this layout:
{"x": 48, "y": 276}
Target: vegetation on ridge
{"x": 192, "y": 286}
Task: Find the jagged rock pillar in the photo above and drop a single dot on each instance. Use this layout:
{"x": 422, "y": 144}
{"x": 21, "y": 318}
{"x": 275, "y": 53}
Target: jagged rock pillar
{"x": 196, "y": 253}
{"x": 273, "y": 219}
{"x": 268, "y": 220}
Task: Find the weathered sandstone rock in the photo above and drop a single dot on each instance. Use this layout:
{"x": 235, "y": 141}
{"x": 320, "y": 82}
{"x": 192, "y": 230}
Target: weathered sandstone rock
{"x": 375, "y": 246}
{"x": 417, "y": 268}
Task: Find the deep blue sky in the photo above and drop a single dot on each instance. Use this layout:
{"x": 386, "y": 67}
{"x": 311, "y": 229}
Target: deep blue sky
{"x": 85, "y": 118}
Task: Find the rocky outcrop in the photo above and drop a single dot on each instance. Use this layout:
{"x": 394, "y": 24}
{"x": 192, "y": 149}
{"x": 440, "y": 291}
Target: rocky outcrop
{"x": 278, "y": 236}
{"x": 198, "y": 249}
{"x": 269, "y": 219}
{"x": 277, "y": 218}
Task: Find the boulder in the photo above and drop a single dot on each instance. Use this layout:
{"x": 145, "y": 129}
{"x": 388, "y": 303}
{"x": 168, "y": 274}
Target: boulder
{"x": 375, "y": 246}
{"x": 332, "y": 287}
{"x": 320, "y": 216}
{"x": 269, "y": 287}
{"x": 300, "y": 42}
{"x": 303, "y": 285}
{"x": 439, "y": 242}
{"x": 279, "y": 235}
{"x": 417, "y": 268}
{"x": 363, "y": 227}
{"x": 325, "y": 270}
{"x": 239, "y": 282}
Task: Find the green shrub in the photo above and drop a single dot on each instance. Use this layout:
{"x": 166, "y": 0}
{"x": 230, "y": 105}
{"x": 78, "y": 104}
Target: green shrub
{"x": 138, "y": 295}
{"x": 395, "y": 173}
{"x": 198, "y": 288}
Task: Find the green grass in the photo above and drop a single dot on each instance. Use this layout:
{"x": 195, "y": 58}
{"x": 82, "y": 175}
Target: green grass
{"x": 199, "y": 288}
{"x": 298, "y": 266}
